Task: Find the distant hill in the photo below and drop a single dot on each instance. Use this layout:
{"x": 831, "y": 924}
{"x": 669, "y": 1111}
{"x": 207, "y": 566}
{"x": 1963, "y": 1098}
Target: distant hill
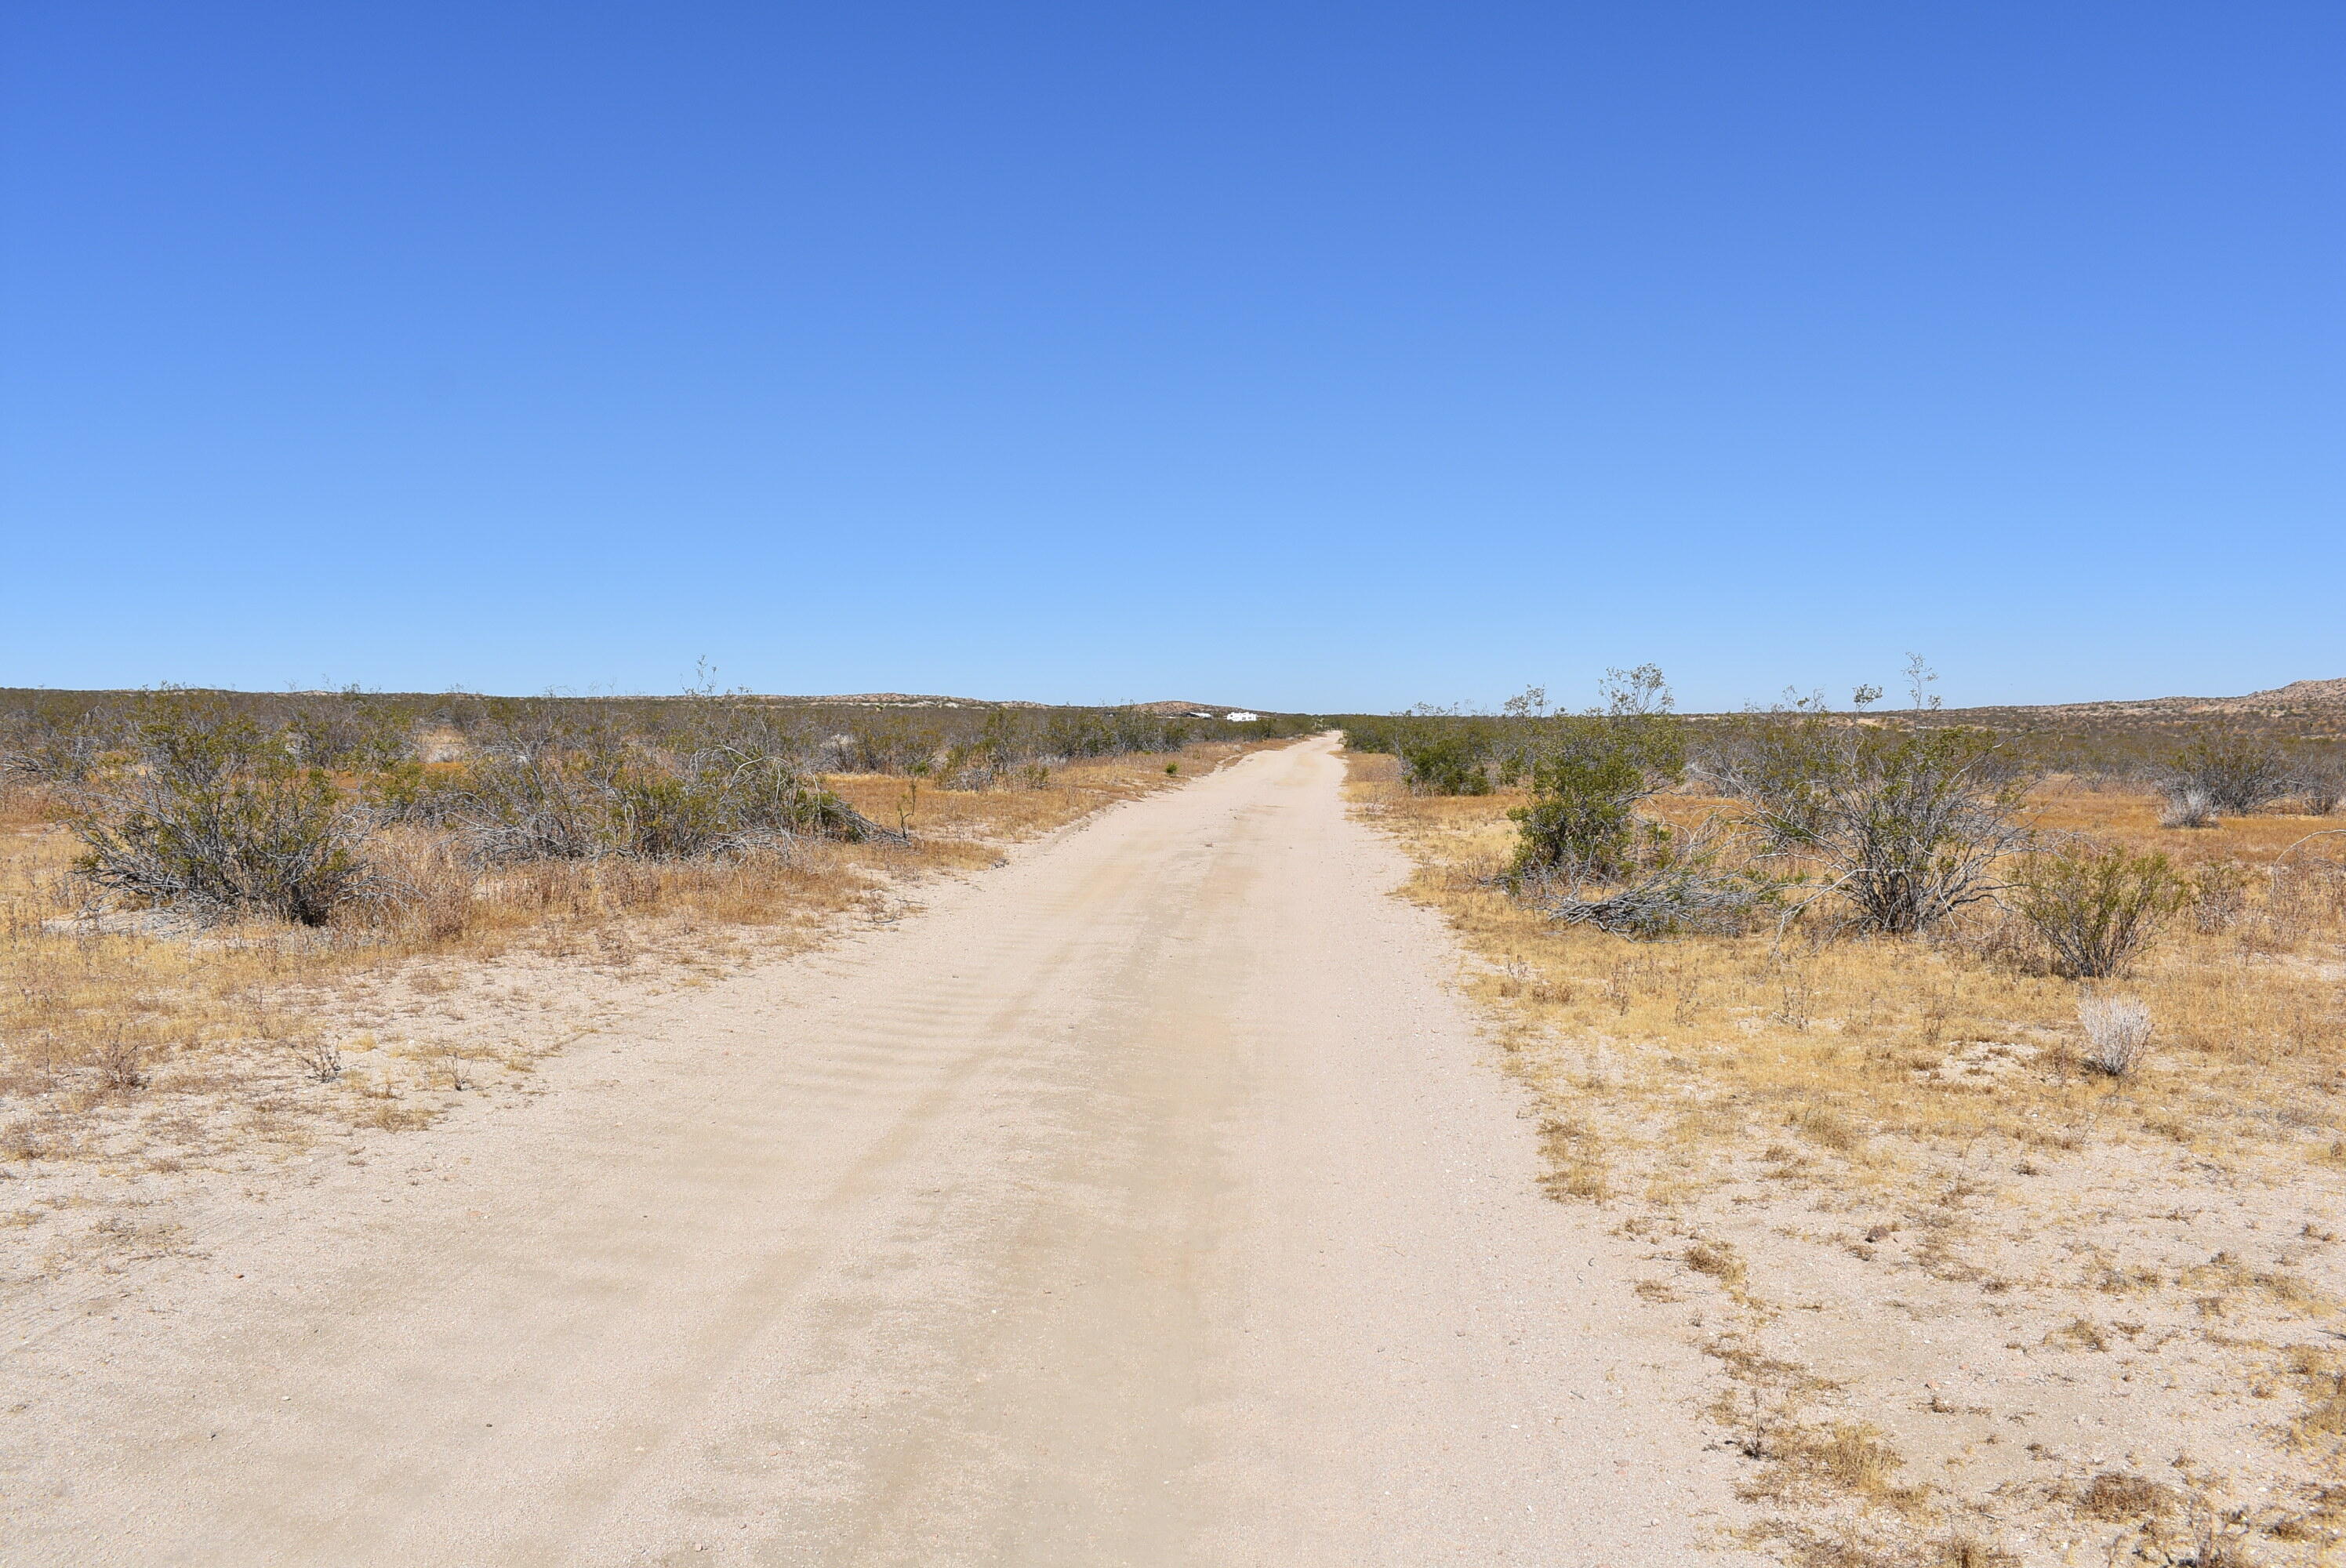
{"x": 27, "y": 696}
{"x": 898, "y": 699}
{"x": 907, "y": 699}
{"x": 2123, "y": 733}
{"x": 2297, "y": 696}
{"x": 2323, "y": 699}
{"x": 1170, "y": 706}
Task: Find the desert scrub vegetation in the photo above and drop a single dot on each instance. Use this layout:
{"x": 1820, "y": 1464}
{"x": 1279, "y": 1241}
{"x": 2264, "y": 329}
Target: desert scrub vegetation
{"x": 2093, "y": 907}
{"x": 201, "y": 809}
{"x": 231, "y": 925}
{"x": 1991, "y": 1149}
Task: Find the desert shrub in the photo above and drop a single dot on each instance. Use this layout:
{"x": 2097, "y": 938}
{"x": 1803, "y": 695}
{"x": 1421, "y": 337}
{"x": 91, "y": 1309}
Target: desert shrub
{"x": 1906, "y": 823}
{"x": 973, "y": 768}
{"x": 2218, "y": 895}
{"x": 2094, "y": 907}
{"x": 1583, "y": 820}
{"x": 985, "y": 747}
{"x": 885, "y": 743}
{"x": 405, "y": 791}
{"x": 43, "y": 741}
{"x": 526, "y": 800}
{"x": 355, "y": 732}
{"x": 1376, "y": 734}
{"x": 597, "y": 797}
{"x": 755, "y": 796}
{"x": 208, "y": 811}
{"x": 2318, "y": 787}
{"x": 982, "y": 762}
{"x": 1443, "y": 751}
{"x": 2236, "y": 770}
{"x": 1586, "y": 777}
{"x": 2118, "y": 1033}
{"x": 1443, "y": 762}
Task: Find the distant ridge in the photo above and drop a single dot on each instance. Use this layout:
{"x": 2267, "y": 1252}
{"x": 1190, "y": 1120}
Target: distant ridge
{"x": 1170, "y": 706}
{"x": 908, "y": 699}
{"x": 903, "y": 699}
{"x": 2299, "y": 697}
{"x": 780, "y": 699}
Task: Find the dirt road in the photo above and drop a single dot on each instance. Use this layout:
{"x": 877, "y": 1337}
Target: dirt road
{"x": 1145, "y": 1201}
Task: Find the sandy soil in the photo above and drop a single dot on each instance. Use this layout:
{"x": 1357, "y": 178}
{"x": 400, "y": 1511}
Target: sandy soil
{"x": 1150, "y": 1199}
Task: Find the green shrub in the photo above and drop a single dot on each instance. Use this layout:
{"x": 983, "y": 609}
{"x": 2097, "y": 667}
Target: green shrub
{"x": 2094, "y": 908}
{"x": 1443, "y": 762}
{"x": 1586, "y": 777}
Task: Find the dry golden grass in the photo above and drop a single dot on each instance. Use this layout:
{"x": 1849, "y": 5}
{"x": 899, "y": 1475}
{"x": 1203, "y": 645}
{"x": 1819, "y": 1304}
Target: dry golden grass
{"x": 1882, "y": 1164}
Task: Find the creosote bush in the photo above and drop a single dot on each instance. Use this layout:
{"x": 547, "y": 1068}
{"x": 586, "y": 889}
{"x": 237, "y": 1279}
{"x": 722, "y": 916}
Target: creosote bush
{"x": 1906, "y": 823}
{"x": 598, "y": 797}
{"x": 1444, "y": 763}
{"x": 206, "y": 811}
{"x": 1586, "y": 776}
{"x": 1903, "y": 821}
{"x": 2224, "y": 771}
{"x": 2094, "y": 907}
{"x": 2318, "y": 788}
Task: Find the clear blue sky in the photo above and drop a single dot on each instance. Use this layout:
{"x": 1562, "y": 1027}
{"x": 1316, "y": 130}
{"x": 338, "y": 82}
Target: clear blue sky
{"x": 1312, "y": 356}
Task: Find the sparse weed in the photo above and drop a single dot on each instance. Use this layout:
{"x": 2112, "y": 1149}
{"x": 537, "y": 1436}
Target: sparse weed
{"x": 2117, "y": 1496}
{"x": 122, "y": 1066}
{"x": 319, "y": 1059}
{"x": 1717, "y": 1259}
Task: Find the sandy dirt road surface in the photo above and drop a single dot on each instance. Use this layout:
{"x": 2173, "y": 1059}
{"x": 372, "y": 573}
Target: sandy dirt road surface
{"x": 1147, "y": 1200}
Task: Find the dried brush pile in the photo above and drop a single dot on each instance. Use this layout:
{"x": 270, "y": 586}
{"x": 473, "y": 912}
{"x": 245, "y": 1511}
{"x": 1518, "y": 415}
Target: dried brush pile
{"x": 1684, "y": 890}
